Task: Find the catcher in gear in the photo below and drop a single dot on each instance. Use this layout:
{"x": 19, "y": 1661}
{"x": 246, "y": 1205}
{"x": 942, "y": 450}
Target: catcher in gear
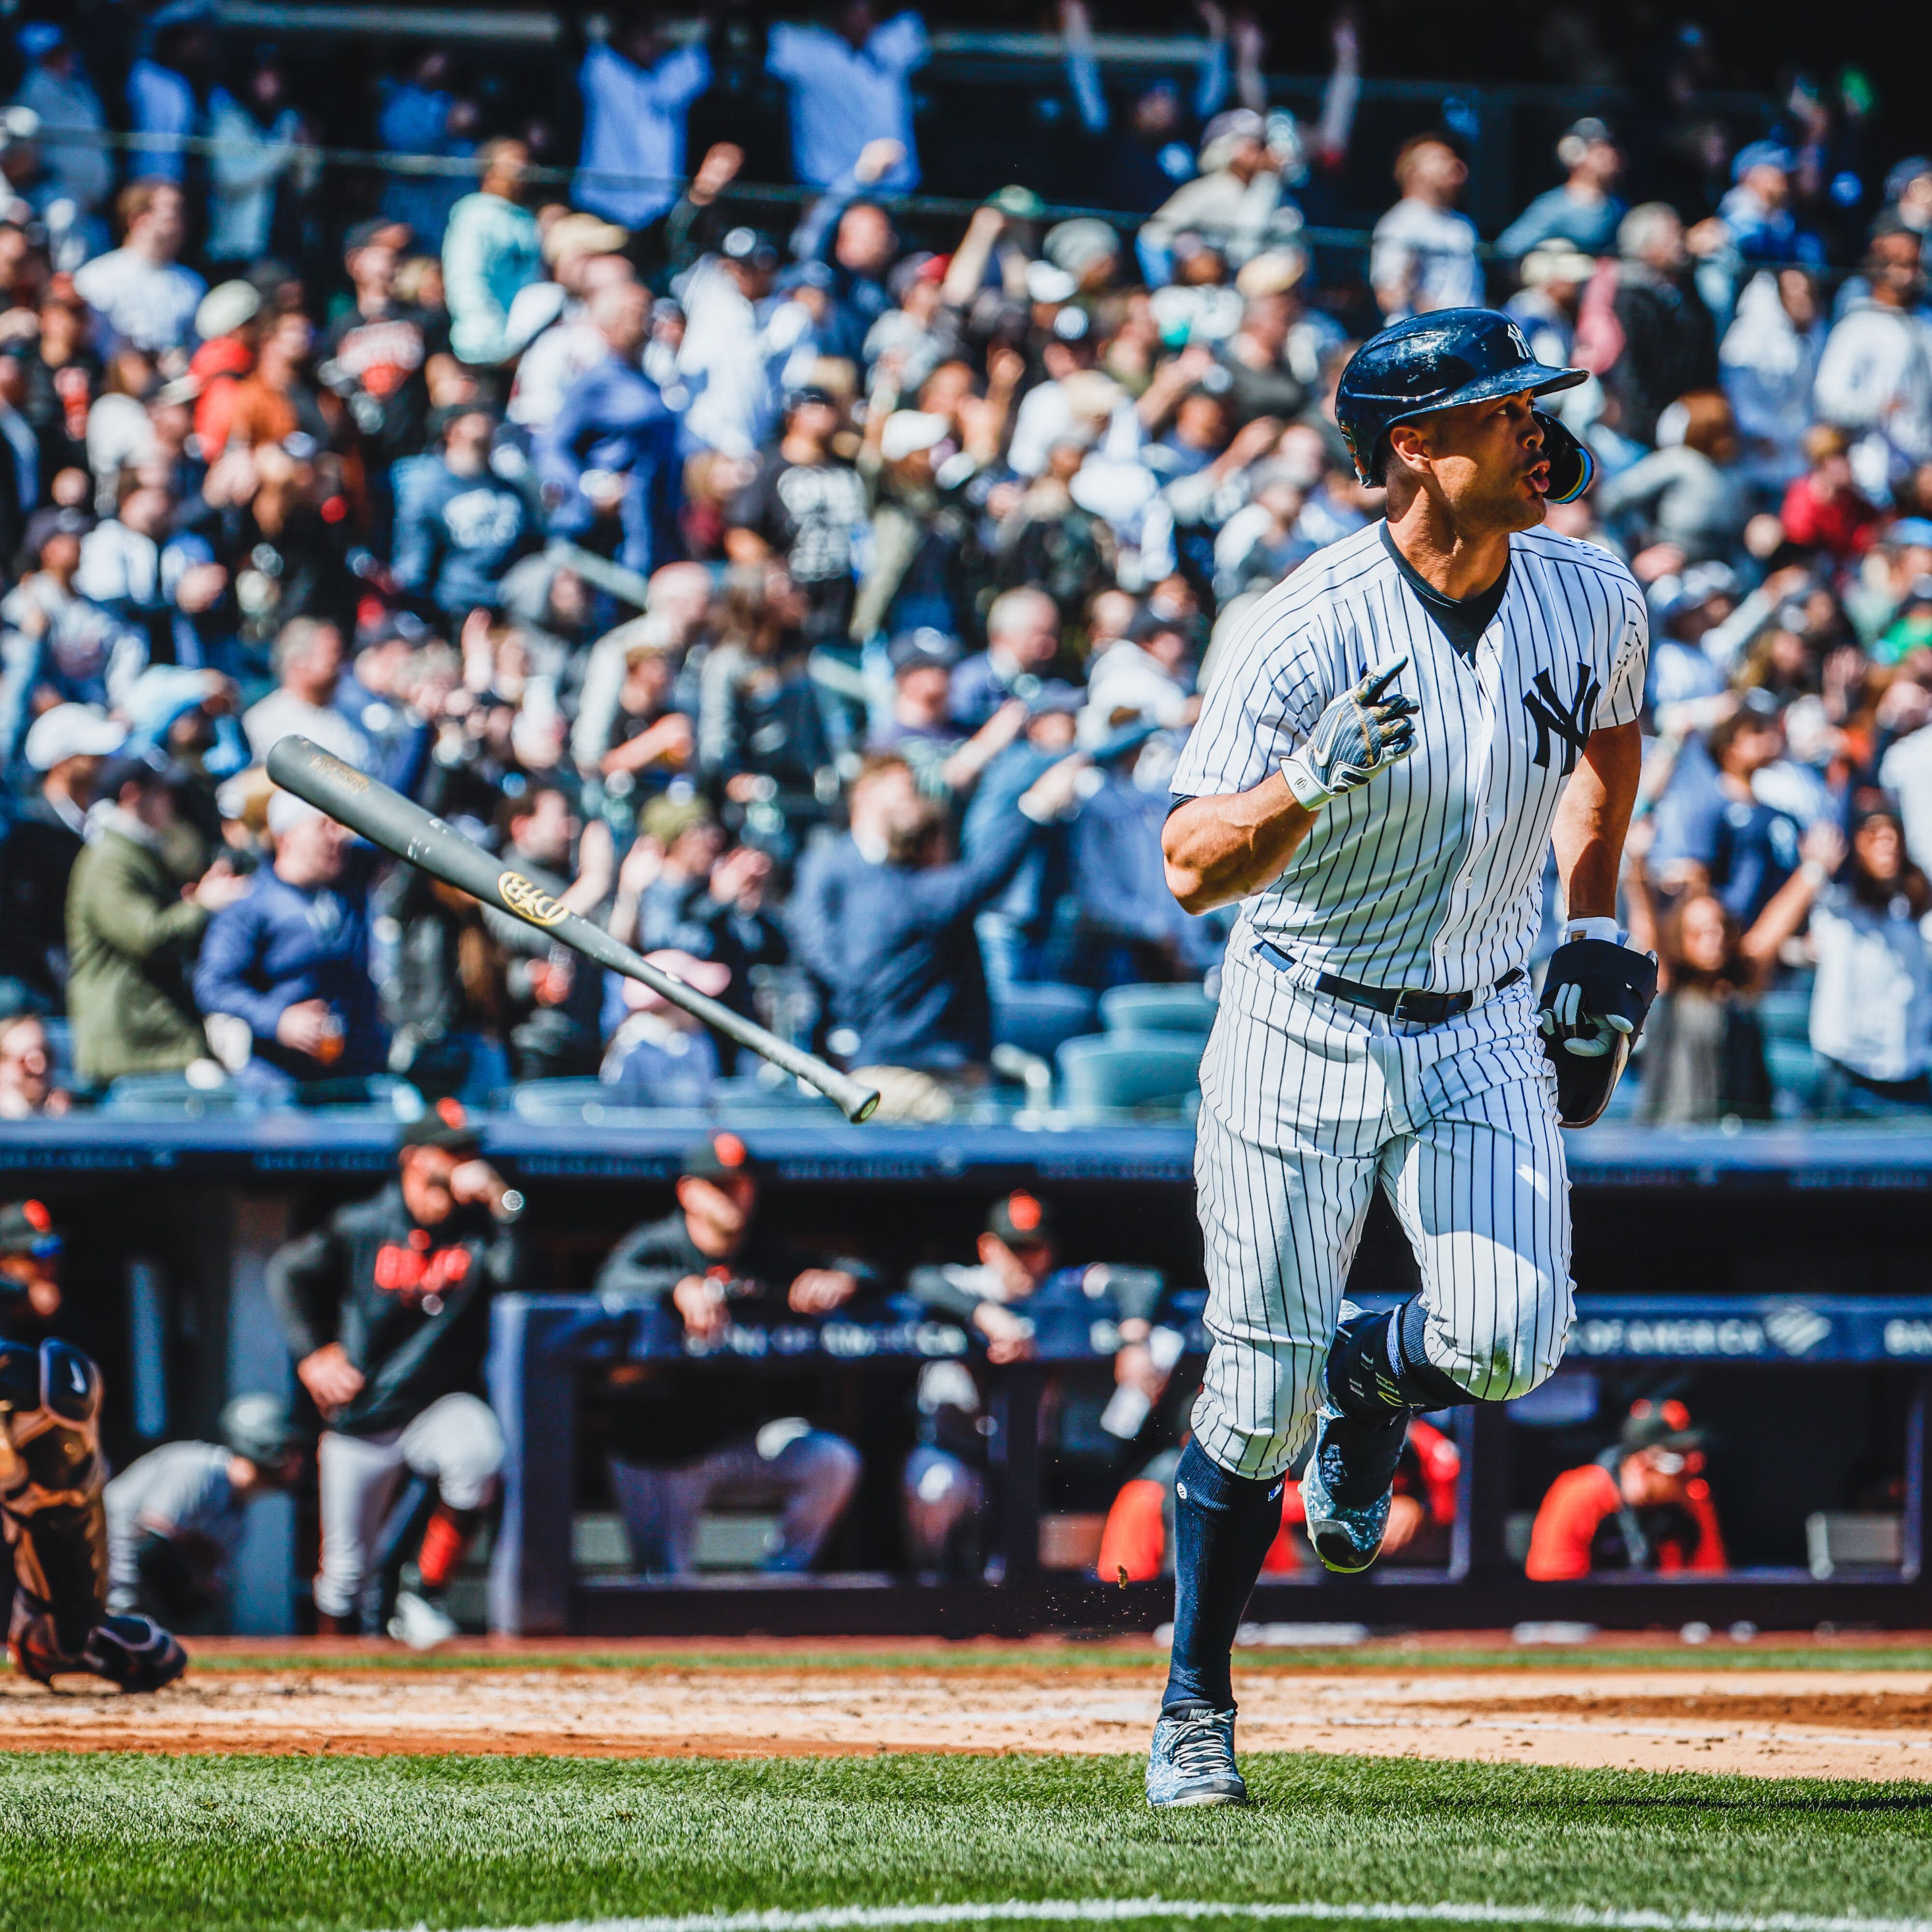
{"x": 53, "y": 1524}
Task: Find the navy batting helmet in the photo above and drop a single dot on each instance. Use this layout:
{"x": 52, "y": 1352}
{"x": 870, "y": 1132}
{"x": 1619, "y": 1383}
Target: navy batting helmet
{"x": 1438, "y": 361}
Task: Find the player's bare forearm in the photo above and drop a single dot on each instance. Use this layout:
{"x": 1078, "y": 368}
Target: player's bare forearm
{"x": 1220, "y": 849}
{"x": 1592, "y": 819}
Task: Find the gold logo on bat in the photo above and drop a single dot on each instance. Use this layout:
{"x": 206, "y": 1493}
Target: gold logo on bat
{"x": 530, "y": 901}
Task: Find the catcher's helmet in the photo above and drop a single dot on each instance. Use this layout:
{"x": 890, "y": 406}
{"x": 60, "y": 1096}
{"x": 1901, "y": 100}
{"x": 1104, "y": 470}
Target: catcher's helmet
{"x": 1438, "y": 361}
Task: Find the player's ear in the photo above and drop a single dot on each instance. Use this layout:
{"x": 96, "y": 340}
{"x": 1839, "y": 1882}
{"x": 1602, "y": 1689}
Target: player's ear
{"x": 1407, "y": 447}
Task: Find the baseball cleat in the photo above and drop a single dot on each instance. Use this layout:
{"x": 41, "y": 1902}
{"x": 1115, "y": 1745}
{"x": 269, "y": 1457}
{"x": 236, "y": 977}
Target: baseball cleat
{"x": 133, "y": 1651}
{"x": 1345, "y": 1490}
{"x": 419, "y": 1623}
{"x": 1192, "y": 1760}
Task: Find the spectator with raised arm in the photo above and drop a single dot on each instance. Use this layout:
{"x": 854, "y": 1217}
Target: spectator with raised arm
{"x": 849, "y": 82}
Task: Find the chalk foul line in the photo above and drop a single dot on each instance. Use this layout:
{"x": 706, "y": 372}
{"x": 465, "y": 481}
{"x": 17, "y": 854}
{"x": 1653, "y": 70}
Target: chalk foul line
{"x": 1122, "y": 1911}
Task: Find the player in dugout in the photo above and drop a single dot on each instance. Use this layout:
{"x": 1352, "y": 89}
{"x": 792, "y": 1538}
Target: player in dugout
{"x": 175, "y": 1517}
{"x": 680, "y": 1446}
{"x": 1642, "y": 1505}
{"x": 1017, "y": 1284}
{"x": 386, "y": 1309}
{"x": 53, "y": 1527}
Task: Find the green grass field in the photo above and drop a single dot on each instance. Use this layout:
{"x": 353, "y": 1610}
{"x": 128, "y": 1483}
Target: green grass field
{"x": 109, "y": 1843}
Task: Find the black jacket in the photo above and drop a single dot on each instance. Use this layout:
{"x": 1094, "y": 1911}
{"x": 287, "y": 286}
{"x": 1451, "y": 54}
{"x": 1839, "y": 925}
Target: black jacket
{"x": 410, "y": 1305}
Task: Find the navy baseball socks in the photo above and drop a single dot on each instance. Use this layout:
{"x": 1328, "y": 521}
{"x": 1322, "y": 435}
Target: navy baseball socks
{"x": 1376, "y": 1377}
{"x": 1223, "y": 1526}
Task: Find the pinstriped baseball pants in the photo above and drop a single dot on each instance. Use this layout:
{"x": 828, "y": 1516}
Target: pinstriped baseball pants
{"x": 1308, "y": 1105}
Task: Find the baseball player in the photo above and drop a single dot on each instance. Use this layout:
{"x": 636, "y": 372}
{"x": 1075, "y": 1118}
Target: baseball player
{"x": 1398, "y": 733}
{"x": 175, "y": 1517}
{"x": 53, "y": 1529}
{"x": 386, "y": 1308}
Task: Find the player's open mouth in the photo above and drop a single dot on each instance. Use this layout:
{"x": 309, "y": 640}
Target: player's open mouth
{"x": 1538, "y": 476}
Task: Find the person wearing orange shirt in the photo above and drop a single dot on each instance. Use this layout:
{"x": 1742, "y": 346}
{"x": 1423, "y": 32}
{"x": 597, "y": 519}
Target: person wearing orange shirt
{"x": 1643, "y": 1505}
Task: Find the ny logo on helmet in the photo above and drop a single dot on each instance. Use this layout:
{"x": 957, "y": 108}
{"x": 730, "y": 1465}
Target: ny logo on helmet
{"x": 1570, "y": 723}
{"x": 1520, "y": 342}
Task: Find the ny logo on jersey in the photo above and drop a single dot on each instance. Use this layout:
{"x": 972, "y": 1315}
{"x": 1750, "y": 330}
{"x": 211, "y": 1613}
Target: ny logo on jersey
{"x": 1572, "y": 723}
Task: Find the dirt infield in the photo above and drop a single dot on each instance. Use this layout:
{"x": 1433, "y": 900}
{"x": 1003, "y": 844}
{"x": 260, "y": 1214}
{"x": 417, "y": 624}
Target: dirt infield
{"x": 1858, "y": 1723}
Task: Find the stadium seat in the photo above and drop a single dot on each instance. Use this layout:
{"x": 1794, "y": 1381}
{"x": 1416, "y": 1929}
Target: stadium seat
{"x": 1784, "y": 1014}
{"x": 1112, "y": 1074}
{"x": 1180, "y": 1010}
{"x": 1040, "y": 1016}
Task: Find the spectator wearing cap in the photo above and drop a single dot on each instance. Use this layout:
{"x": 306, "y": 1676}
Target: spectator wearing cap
{"x": 385, "y": 1311}
{"x": 1643, "y": 1505}
{"x": 660, "y": 1055}
{"x": 30, "y": 1253}
{"x": 377, "y": 352}
{"x": 807, "y": 507}
{"x": 459, "y": 525}
{"x": 57, "y": 646}
{"x": 638, "y": 92}
{"x": 886, "y": 924}
{"x": 678, "y": 1446}
{"x": 919, "y": 728}
{"x": 227, "y": 320}
{"x": 133, "y": 928}
{"x": 289, "y": 961}
{"x": 1146, "y": 677}
{"x": 849, "y": 83}
{"x": 1875, "y": 376}
{"x": 729, "y": 359}
{"x": 28, "y": 1087}
{"x": 608, "y": 461}
{"x": 1262, "y": 379}
{"x": 1237, "y": 204}
{"x": 1755, "y": 213}
{"x": 42, "y": 838}
{"x": 1553, "y": 276}
{"x": 140, "y": 294}
{"x": 1582, "y": 211}
{"x": 1769, "y": 359}
{"x": 584, "y": 255}
{"x": 56, "y": 88}
{"x": 1017, "y": 1288}
{"x": 1670, "y": 338}
{"x": 1423, "y": 256}
{"x": 491, "y": 250}
{"x": 308, "y": 664}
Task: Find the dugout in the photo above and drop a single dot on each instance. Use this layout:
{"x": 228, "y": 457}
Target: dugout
{"x": 169, "y": 1223}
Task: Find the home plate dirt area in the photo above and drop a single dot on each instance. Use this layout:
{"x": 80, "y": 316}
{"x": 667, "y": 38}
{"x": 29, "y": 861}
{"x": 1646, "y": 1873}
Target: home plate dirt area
{"x": 1842, "y": 1716}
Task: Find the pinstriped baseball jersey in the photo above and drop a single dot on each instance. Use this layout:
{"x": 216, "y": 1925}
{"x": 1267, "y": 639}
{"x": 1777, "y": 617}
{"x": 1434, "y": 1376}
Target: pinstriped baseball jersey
{"x": 1430, "y": 876}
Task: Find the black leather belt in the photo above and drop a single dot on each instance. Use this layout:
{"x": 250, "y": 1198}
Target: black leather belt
{"x": 1399, "y": 1002}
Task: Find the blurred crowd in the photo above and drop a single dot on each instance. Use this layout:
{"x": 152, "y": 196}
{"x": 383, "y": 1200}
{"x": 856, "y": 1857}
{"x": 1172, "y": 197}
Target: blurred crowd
{"x": 823, "y": 614}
